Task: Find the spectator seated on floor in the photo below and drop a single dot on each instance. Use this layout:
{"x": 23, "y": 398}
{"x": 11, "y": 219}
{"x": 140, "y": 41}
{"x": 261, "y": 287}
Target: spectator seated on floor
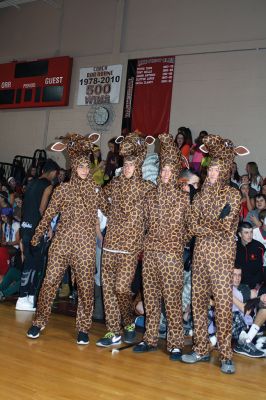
{"x": 4, "y": 199}
{"x": 11, "y": 281}
{"x": 249, "y": 257}
{"x": 17, "y": 208}
{"x": 10, "y": 231}
{"x": 253, "y": 215}
{"x": 9, "y": 240}
{"x": 246, "y": 327}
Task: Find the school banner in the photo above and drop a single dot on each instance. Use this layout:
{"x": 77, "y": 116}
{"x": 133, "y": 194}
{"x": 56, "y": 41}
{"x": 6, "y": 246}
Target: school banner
{"x": 148, "y": 95}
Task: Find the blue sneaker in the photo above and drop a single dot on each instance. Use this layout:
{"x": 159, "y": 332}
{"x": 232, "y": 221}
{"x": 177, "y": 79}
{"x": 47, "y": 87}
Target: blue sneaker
{"x": 110, "y": 339}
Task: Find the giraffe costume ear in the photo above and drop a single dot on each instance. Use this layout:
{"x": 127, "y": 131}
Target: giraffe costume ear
{"x": 58, "y": 146}
{"x": 119, "y": 139}
{"x": 94, "y": 137}
{"x": 203, "y": 148}
{"x": 241, "y": 151}
{"x": 149, "y": 140}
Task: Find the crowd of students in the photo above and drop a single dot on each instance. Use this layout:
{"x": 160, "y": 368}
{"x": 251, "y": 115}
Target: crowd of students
{"x": 23, "y": 255}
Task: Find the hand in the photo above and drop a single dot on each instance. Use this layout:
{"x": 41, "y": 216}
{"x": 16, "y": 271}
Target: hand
{"x": 225, "y": 211}
{"x": 50, "y": 233}
{"x": 253, "y": 293}
{"x": 255, "y": 221}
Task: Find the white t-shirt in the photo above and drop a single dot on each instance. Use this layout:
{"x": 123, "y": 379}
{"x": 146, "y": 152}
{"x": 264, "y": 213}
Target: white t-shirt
{"x": 10, "y": 232}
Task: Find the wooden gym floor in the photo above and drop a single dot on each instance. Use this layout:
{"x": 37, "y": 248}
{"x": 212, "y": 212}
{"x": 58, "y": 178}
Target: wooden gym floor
{"x": 54, "y": 367}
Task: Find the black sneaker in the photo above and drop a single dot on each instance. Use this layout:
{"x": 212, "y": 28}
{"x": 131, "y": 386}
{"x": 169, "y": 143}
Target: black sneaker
{"x": 34, "y": 332}
{"x": 175, "y": 354}
{"x": 248, "y": 349}
{"x": 143, "y": 347}
{"x": 83, "y": 338}
{"x": 129, "y": 333}
{"x": 109, "y": 339}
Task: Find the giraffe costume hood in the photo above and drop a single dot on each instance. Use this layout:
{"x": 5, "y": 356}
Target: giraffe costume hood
{"x": 170, "y": 154}
{"x": 222, "y": 152}
{"x": 133, "y": 148}
{"x": 78, "y": 148}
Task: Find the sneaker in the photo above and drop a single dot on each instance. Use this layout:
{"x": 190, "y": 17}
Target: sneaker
{"x": 83, "y": 338}
{"x": 261, "y": 346}
{"x": 228, "y": 367}
{"x": 34, "y": 332}
{"x": 194, "y": 357}
{"x": 175, "y": 354}
{"x": 109, "y": 339}
{"x": 129, "y": 333}
{"x": 31, "y": 299}
{"x": 248, "y": 349}
{"x": 23, "y": 304}
{"x": 2, "y": 296}
{"x": 143, "y": 347}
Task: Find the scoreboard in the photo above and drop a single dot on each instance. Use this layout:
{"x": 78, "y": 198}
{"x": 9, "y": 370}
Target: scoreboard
{"x": 39, "y": 83}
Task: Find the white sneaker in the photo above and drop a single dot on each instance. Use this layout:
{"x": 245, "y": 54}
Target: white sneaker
{"x": 23, "y": 304}
{"x": 31, "y": 299}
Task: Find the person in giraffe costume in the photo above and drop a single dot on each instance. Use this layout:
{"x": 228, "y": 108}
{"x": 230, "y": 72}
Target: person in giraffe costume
{"x": 214, "y": 220}
{"x": 123, "y": 203}
{"x": 166, "y": 212}
{"x": 74, "y": 242}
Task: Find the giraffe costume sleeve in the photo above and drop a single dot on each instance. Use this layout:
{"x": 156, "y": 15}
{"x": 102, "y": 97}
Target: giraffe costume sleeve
{"x": 53, "y": 208}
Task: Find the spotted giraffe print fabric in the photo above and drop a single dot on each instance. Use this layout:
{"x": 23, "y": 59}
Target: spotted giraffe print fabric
{"x": 123, "y": 201}
{"x": 215, "y": 248}
{"x": 166, "y": 210}
{"x": 74, "y": 241}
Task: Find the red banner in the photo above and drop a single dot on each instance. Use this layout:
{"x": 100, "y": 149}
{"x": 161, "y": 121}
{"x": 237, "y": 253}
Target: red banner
{"x": 152, "y": 95}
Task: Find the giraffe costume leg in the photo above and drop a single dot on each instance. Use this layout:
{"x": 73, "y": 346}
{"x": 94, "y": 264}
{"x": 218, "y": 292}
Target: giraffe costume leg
{"x": 118, "y": 271}
{"x": 163, "y": 278}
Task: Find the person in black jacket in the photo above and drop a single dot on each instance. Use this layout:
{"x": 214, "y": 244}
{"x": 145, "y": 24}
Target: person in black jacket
{"x": 249, "y": 257}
